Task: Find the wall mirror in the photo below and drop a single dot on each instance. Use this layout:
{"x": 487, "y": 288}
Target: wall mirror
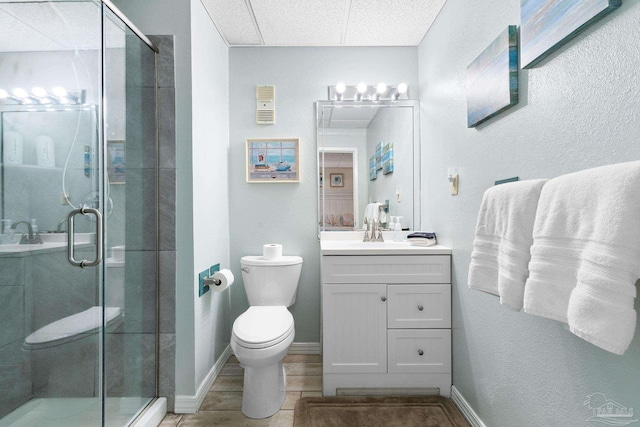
{"x": 368, "y": 152}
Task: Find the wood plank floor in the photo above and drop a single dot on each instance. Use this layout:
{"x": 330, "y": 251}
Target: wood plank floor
{"x": 222, "y": 405}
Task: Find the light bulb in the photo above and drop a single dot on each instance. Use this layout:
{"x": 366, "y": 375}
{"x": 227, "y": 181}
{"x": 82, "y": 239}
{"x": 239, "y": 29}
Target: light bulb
{"x": 59, "y": 91}
{"x": 402, "y": 88}
{"x": 20, "y": 92}
{"x": 4, "y": 94}
{"x": 381, "y": 88}
{"x": 340, "y": 88}
{"x": 39, "y": 92}
{"x": 362, "y": 87}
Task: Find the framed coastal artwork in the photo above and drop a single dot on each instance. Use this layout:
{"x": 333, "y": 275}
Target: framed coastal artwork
{"x": 492, "y": 79}
{"x": 548, "y": 24}
{"x": 379, "y": 155}
{"x": 373, "y": 169}
{"x": 387, "y": 159}
{"x": 273, "y": 160}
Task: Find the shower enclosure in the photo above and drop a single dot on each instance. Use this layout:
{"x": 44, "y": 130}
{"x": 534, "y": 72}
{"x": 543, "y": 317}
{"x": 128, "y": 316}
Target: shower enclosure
{"x": 78, "y": 203}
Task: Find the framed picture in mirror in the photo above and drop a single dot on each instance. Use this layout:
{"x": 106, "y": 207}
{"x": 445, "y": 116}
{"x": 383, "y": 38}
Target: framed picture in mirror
{"x": 337, "y": 180}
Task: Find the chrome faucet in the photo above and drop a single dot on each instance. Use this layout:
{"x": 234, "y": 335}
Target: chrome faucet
{"x": 30, "y": 238}
{"x": 366, "y": 231}
{"x": 60, "y": 224}
{"x": 379, "y": 237}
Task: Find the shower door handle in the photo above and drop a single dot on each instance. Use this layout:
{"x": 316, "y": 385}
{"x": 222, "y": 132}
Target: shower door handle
{"x": 70, "y": 237}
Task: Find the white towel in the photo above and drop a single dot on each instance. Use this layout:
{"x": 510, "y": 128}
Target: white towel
{"x": 371, "y": 211}
{"x": 585, "y": 258}
{"x": 502, "y": 240}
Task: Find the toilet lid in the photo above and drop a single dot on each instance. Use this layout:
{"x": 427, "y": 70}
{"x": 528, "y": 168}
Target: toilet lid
{"x": 71, "y": 327}
{"x": 263, "y": 326}
{"x": 265, "y": 262}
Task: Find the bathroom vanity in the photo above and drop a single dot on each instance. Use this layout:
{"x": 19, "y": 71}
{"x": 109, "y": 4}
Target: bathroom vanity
{"x": 386, "y": 317}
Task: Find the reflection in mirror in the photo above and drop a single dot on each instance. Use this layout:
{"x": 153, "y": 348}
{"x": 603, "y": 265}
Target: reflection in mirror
{"x": 368, "y": 164}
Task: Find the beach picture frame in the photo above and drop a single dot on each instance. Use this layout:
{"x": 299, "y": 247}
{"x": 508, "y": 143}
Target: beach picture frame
{"x": 373, "y": 170}
{"x": 379, "y": 155}
{"x": 275, "y": 160}
{"x": 492, "y": 79}
{"x": 387, "y": 159}
{"x": 548, "y": 24}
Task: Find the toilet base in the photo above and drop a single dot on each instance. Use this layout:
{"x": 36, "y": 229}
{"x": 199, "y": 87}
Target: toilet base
{"x": 258, "y": 398}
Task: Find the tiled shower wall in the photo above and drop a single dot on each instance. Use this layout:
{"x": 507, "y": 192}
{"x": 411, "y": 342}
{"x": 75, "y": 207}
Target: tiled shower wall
{"x": 167, "y": 213}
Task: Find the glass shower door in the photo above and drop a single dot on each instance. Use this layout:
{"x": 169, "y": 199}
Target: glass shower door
{"x": 131, "y": 225}
{"x": 51, "y": 323}
{"x": 77, "y": 153}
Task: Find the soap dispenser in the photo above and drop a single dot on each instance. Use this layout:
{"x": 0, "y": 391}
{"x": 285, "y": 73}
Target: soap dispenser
{"x": 397, "y": 231}
{"x": 392, "y": 224}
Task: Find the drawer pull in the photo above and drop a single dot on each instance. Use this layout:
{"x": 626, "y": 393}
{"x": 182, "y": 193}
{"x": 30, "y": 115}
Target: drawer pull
{"x": 420, "y": 308}
{"x": 383, "y": 299}
{"x": 420, "y": 352}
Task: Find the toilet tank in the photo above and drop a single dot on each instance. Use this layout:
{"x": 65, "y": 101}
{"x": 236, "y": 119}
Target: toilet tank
{"x": 271, "y": 281}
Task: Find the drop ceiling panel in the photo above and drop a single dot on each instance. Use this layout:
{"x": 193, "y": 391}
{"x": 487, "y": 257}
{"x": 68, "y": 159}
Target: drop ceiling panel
{"x": 56, "y": 26}
{"x": 300, "y": 22}
{"x": 390, "y": 22}
{"x": 233, "y": 19}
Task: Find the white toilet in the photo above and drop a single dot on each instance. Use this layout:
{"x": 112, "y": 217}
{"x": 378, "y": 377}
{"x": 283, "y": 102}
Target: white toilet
{"x": 262, "y": 335}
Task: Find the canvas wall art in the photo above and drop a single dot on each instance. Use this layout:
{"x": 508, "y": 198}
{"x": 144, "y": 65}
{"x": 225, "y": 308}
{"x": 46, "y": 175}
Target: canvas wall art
{"x": 548, "y": 24}
{"x": 387, "y": 159}
{"x": 273, "y": 160}
{"x": 492, "y": 78}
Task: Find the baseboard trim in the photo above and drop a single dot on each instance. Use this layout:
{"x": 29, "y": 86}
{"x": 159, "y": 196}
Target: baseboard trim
{"x": 304, "y": 348}
{"x": 466, "y": 409}
{"x": 191, "y": 404}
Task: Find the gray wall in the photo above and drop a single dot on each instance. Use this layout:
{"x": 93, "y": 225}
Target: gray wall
{"x": 578, "y": 109}
{"x": 287, "y": 213}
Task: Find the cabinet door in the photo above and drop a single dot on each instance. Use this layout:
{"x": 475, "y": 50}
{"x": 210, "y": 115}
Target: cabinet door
{"x": 419, "y": 306}
{"x": 354, "y": 320}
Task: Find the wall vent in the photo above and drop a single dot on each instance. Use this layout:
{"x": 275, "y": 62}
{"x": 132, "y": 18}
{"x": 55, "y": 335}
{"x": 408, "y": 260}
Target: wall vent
{"x": 266, "y": 104}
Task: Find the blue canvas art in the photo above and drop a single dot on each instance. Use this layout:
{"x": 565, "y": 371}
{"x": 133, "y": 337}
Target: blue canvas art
{"x": 492, "y": 78}
{"x": 548, "y": 24}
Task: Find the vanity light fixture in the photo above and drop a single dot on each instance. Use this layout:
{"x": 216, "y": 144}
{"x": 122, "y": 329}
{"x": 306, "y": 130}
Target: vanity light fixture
{"x": 381, "y": 89}
{"x": 362, "y": 92}
{"x": 340, "y": 88}
{"x": 400, "y": 90}
{"x": 40, "y": 95}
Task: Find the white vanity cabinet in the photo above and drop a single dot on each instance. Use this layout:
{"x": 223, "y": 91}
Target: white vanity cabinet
{"x": 386, "y": 322}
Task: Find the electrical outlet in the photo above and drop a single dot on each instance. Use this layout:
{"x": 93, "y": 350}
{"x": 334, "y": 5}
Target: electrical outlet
{"x": 203, "y": 289}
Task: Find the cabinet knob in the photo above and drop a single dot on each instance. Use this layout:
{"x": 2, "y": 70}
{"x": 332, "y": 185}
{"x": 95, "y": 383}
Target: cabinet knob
{"x": 420, "y": 308}
{"x": 420, "y": 352}
{"x": 383, "y": 298}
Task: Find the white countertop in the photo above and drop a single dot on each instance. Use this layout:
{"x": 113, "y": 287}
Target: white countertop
{"x": 350, "y": 243}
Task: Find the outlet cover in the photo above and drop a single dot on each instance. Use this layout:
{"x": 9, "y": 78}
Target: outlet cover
{"x": 203, "y": 289}
{"x": 214, "y": 269}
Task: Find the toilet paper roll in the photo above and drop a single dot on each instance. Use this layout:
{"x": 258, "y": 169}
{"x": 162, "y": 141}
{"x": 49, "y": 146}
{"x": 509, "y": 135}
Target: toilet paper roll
{"x": 221, "y": 280}
{"x": 272, "y": 251}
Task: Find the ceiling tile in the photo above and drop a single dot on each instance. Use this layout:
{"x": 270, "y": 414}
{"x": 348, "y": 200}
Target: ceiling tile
{"x": 300, "y": 22}
{"x": 390, "y": 22}
{"x": 233, "y": 20}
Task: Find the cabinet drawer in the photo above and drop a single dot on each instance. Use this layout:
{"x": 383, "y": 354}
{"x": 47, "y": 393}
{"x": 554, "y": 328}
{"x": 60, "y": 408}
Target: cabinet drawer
{"x": 387, "y": 269}
{"x": 419, "y": 306}
{"x": 419, "y": 351}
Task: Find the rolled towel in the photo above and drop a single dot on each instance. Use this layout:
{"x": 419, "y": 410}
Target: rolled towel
{"x": 503, "y": 239}
{"x": 584, "y": 262}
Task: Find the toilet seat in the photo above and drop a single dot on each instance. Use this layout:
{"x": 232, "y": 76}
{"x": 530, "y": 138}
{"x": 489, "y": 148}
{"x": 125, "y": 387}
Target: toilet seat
{"x": 263, "y": 326}
{"x": 71, "y": 328}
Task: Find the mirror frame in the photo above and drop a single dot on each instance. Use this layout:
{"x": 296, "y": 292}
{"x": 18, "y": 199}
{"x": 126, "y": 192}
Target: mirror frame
{"x": 415, "y": 105}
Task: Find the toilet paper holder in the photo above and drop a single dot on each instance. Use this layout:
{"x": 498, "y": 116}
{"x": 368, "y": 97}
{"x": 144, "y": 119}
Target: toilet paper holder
{"x": 212, "y": 281}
